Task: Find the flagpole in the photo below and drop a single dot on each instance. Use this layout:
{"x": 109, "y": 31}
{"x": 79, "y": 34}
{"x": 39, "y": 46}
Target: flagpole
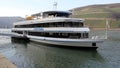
{"x": 107, "y": 26}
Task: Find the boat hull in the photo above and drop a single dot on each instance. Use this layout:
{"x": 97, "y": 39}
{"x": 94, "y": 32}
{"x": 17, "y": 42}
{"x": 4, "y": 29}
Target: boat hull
{"x": 66, "y": 42}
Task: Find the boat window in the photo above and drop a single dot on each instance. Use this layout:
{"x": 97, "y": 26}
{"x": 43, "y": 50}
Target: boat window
{"x": 54, "y": 24}
{"x": 57, "y": 35}
{"x": 55, "y": 14}
{"x": 85, "y": 35}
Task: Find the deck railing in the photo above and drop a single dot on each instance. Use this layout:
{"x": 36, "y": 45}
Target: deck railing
{"x": 99, "y": 37}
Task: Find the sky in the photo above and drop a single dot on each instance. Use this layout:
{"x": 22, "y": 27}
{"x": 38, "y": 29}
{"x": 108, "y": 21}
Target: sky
{"x": 28, "y": 7}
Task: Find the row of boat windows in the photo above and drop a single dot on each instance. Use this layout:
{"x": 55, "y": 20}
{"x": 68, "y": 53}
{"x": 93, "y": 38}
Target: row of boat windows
{"x": 57, "y": 35}
{"x": 56, "y": 24}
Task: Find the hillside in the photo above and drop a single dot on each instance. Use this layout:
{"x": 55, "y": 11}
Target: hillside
{"x": 7, "y": 22}
{"x": 96, "y": 15}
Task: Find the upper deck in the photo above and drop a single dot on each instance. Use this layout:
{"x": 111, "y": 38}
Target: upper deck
{"x": 51, "y": 19}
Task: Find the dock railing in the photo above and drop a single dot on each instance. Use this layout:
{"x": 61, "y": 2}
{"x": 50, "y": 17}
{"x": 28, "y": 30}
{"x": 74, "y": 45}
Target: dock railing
{"x": 8, "y": 32}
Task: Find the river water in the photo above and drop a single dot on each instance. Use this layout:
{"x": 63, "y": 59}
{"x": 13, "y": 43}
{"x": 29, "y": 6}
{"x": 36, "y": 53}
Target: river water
{"x": 36, "y": 55}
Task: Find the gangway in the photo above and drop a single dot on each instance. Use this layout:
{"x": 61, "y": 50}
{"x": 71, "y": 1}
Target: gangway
{"x": 8, "y": 32}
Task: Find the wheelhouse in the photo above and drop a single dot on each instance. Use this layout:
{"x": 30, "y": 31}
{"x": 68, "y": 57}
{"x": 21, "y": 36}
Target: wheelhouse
{"x": 52, "y": 14}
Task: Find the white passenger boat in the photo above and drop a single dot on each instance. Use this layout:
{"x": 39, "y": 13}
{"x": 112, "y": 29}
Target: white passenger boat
{"x": 55, "y": 27}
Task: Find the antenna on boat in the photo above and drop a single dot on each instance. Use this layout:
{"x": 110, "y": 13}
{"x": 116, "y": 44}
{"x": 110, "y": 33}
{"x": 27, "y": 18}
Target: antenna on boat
{"x": 55, "y": 6}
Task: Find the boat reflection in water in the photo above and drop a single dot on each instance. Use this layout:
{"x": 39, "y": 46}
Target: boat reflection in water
{"x": 33, "y": 55}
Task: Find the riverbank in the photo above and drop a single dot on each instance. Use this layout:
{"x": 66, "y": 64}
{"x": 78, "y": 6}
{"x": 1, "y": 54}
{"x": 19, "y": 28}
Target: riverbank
{"x": 5, "y": 63}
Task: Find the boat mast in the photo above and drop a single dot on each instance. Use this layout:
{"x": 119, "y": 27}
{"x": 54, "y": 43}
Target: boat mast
{"x": 55, "y": 6}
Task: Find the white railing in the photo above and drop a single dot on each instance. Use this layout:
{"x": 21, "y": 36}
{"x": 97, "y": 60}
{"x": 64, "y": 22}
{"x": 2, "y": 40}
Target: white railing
{"x": 2, "y": 31}
{"x": 99, "y": 37}
{"x": 8, "y": 32}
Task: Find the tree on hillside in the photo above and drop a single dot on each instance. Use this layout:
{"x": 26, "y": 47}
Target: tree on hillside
{"x": 115, "y": 16}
